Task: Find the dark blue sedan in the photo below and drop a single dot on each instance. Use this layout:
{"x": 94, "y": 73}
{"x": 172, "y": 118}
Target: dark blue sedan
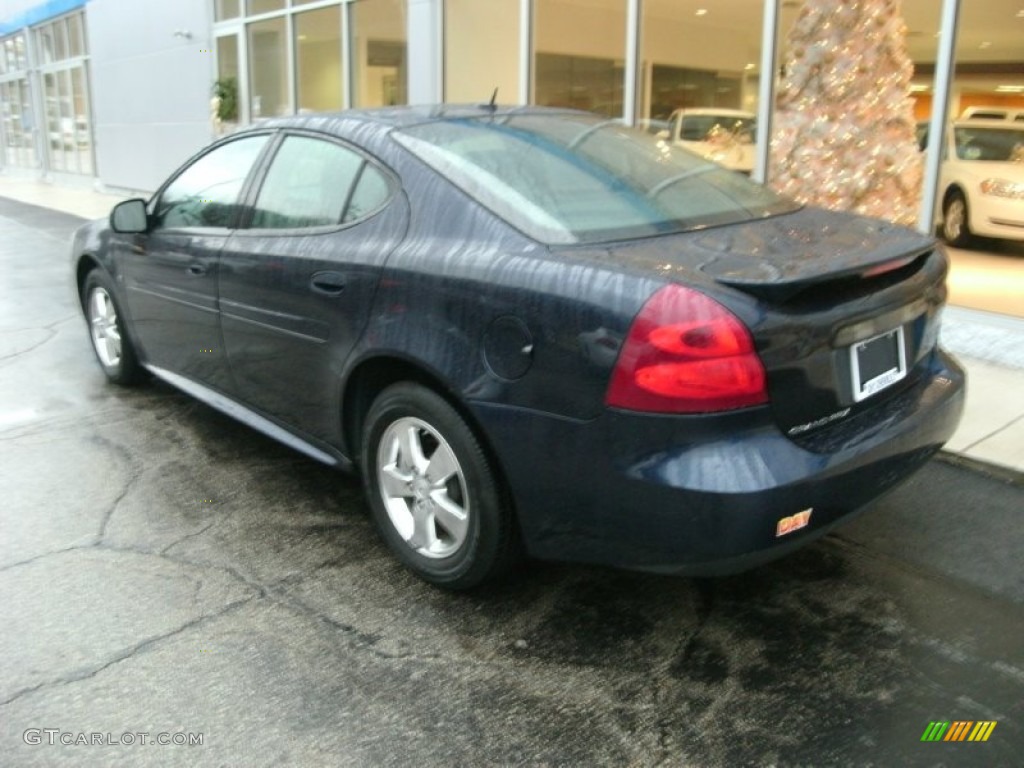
{"x": 534, "y": 331}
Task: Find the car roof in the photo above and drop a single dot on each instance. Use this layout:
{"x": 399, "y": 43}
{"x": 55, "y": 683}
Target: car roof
{"x": 406, "y": 116}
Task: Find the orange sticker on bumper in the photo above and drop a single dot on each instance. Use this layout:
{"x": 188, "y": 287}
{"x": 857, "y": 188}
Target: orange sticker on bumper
{"x": 793, "y": 522}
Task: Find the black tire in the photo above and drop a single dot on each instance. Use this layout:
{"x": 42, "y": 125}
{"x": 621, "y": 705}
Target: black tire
{"x": 956, "y": 228}
{"x": 110, "y": 342}
{"x": 416, "y": 509}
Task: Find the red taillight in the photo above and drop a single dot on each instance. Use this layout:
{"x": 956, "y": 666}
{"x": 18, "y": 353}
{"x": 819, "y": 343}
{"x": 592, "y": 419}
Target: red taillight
{"x": 686, "y": 353}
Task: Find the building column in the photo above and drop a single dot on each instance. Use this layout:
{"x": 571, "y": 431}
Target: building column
{"x": 937, "y": 126}
{"x": 425, "y": 34}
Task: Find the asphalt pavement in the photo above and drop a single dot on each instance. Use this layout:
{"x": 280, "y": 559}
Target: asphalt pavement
{"x": 167, "y": 574}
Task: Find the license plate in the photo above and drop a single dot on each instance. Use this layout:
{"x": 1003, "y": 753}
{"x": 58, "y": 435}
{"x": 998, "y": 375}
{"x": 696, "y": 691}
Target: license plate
{"x": 878, "y": 363}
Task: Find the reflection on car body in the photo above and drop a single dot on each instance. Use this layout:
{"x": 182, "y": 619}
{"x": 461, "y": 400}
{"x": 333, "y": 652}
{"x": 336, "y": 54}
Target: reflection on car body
{"x": 724, "y": 136}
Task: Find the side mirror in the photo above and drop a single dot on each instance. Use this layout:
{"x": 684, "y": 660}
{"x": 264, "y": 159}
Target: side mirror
{"x": 129, "y": 217}
{"x": 663, "y": 135}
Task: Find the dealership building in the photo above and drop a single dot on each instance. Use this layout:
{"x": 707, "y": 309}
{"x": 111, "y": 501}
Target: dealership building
{"x": 116, "y": 93}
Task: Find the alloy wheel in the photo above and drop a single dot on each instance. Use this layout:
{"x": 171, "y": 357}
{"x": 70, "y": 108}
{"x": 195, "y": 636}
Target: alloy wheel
{"x": 103, "y": 327}
{"x": 423, "y": 488}
{"x": 954, "y": 218}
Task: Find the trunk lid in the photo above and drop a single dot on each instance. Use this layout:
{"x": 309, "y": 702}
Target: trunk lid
{"x": 778, "y": 257}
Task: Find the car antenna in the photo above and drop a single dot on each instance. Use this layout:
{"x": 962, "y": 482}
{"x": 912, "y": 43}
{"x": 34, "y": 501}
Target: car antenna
{"x": 493, "y": 104}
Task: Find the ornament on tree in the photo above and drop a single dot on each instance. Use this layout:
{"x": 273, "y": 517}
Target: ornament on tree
{"x": 844, "y": 133}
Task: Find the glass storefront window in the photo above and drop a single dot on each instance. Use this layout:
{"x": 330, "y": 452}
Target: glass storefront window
{"x": 6, "y": 60}
{"x": 66, "y": 124}
{"x": 378, "y": 53}
{"x": 16, "y": 123}
{"x": 228, "y": 81}
{"x": 46, "y": 46}
{"x": 585, "y": 71}
{"x": 990, "y": 63}
{"x": 481, "y": 50}
{"x": 225, "y": 9}
{"x": 20, "y": 52}
{"x": 55, "y": 139}
{"x": 83, "y": 130}
{"x": 986, "y": 253}
{"x": 254, "y": 7}
{"x": 69, "y": 143}
{"x": 227, "y": 57}
{"x": 60, "y": 40}
{"x": 318, "y": 60}
{"x": 698, "y": 78}
{"x": 268, "y": 68}
{"x": 76, "y": 35}
{"x": 12, "y": 54}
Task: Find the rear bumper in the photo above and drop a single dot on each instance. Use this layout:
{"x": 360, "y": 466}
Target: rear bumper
{"x": 703, "y": 495}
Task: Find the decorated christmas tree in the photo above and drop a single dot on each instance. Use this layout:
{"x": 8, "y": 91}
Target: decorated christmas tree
{"x": 844, "y": 123}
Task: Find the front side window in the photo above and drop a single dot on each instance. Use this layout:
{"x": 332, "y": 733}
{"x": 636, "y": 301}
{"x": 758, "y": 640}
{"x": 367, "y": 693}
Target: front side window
{"x": 315, "y": 183}
{"x": 573, "y": 179}
{"x": 206, "y": 193}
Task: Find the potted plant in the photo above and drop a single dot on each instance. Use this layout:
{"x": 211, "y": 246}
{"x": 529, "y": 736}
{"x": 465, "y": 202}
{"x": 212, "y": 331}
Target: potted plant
{"x": 225, "y": 96}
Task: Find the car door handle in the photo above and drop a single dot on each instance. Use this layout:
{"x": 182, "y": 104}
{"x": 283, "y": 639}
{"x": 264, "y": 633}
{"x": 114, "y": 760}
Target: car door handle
{"x": 197, "y": 269}
{"x": 328, "y": 283}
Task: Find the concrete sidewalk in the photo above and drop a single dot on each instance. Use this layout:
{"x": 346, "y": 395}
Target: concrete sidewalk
{"x": 990, "y": 346}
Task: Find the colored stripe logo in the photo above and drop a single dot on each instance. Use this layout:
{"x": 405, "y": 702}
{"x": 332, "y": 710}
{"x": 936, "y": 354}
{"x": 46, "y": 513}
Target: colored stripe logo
{"x": 958, "y": 730}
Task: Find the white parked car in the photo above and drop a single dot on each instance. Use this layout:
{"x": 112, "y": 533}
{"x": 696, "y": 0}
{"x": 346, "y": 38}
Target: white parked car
{"x": 982, "y": 181}
{"x": 725, "y": 136}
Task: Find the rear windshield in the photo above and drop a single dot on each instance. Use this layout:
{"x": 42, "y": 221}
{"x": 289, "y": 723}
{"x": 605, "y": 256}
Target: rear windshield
{"x": 580, "y": 179}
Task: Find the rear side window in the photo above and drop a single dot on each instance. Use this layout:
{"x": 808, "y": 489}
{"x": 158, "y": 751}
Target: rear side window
{"x": 316, "y": 183}
{"x": 370, "y": 194}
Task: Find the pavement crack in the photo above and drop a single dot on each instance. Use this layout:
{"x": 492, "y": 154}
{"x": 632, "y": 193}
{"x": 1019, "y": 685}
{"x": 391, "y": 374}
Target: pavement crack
{"x": 705, "y": 593}
{"x": 259, "y": 589}
{"x": 129, "y": 653}
{"x": 185, "y": 538}
{"x": 113, "y": 508}
{"x": 363, "y": 639}
{"x": 134, "y": 472}
{"x": 50, "y": 334}
{"x": 44, "y": 555}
